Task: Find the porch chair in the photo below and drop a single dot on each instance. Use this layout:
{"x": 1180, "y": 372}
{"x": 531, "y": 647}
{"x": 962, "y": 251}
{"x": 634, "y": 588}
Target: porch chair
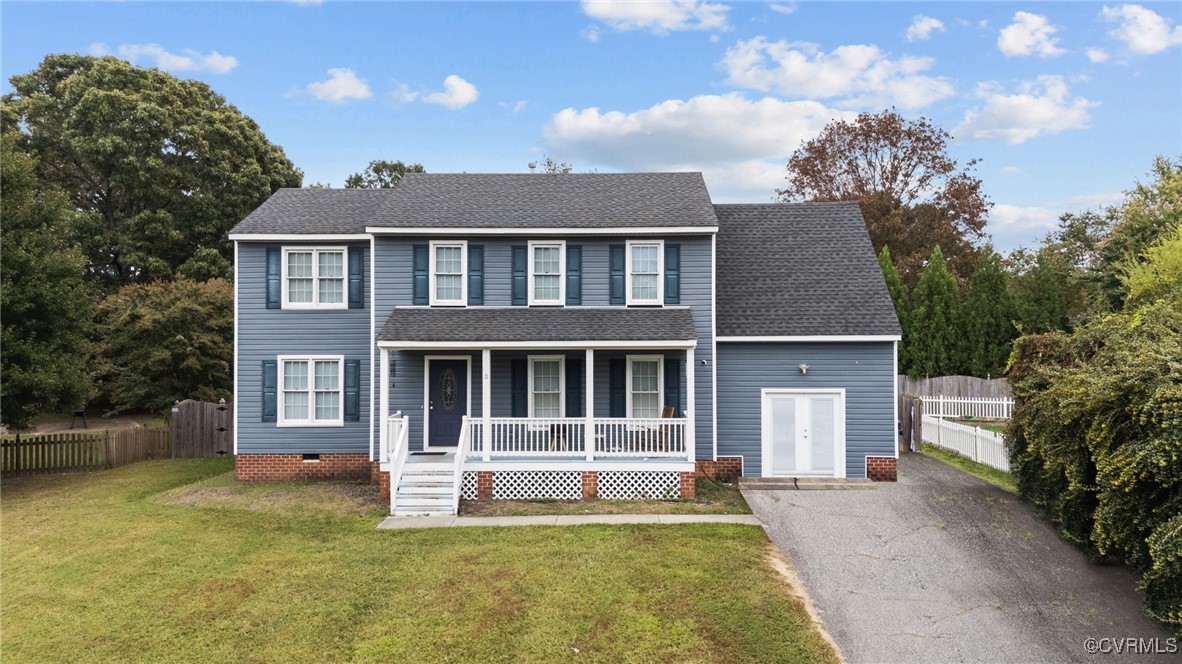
{"x": 558, "y": 438}
{"x": 657, "y": 440}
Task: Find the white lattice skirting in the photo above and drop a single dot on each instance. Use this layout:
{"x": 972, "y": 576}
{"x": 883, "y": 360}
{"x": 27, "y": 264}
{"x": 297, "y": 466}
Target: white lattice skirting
{"x": 468, "y": 486}
{"x": 530, "y": 485}
{"x": 615, "y": 484}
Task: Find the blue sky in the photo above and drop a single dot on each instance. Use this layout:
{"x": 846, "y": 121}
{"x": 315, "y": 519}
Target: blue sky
{"x": 1066, "y": 104}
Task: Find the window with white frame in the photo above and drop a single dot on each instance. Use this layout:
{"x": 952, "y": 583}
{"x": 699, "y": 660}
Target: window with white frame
{"x": 314, "y": 278}
{"x": 644, "y": 385}
{"x": 645, "y": 263}
{"x": 546, "y": 270}
{"x": 311, "y": 392}
{"x": 546, "y": 378}
{"x": 448, "y": 273}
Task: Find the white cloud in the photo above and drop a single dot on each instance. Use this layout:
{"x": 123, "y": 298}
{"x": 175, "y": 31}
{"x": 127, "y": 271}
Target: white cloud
{"x": 783, "y": 8}
{"x": 342, "y": 84}
{"x": 1143, "y": 31}
{"x": 1012, "y": 170}
{"x": 591, "y": 34}
{"x": 658, "y": 16}
{"x": 922, "y": 27}
{"x": 1029, "y": 34}
{"x": 190, "y": 60}
{"x": 863, "y": 73}
{"x": 402, "y": 94}
{"x": 1037, "y": 107}
{"x": 1097, "y": 55}
{"x": 457, "y": 93}
{"x": 514, "y": 107}
{"x": 742, "y": 145}
{"x": 1012, "y": 225}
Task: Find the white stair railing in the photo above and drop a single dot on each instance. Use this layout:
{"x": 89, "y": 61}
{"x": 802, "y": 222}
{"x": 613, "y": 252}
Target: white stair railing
{"x": 458, "y": 464}
{"x": 397, "y": 449}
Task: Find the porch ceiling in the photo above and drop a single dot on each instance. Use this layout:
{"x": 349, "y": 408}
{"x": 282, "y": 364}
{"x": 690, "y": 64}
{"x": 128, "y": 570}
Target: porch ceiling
{"x": 498, "y": 326}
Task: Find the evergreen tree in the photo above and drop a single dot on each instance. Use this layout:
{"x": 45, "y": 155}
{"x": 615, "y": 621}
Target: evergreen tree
{"x": 933, "y": 341}
{"x": 1042, "y": 292}
{"x": 900, "y": 296}
{"x": 988, "y": 318}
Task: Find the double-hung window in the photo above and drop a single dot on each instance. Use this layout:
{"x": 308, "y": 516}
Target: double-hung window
{"x": 645, "y": 264}
{"x": 311, "y": 393}
{"x": 314, "y": 278}
{"x": 547, "y": 266}
{"x": 449, "y": 285}
{"x": 644, "y": 385}
{"x": 546, "y": 378}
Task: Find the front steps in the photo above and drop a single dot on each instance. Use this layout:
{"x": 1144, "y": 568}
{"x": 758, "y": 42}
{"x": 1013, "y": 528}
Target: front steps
{"x": 427, "y": 487}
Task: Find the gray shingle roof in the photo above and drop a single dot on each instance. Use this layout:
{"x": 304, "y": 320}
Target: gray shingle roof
{"x": 479, "y": 324}
{"x": 799, "y": 269}
{"x": 462, "y": 200}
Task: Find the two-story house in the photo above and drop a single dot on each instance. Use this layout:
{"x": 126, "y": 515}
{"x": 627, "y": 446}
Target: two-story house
{"x": 563, "y": 336}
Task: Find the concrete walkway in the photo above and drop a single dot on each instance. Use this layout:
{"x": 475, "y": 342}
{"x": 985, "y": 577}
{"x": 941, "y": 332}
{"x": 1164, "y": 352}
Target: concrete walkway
{"x": 943, "y": 567}
{"x": 398, "y": 522}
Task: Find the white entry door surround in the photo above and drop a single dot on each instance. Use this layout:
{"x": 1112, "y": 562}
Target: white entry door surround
{"x": 803, "y": 432}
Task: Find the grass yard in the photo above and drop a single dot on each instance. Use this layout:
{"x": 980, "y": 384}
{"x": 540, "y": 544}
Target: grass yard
{"x": 712, "y": 498}
{"x": 991, "y": 425}
{"x": 169, "y": 561}
{"x": 998, "y": 478}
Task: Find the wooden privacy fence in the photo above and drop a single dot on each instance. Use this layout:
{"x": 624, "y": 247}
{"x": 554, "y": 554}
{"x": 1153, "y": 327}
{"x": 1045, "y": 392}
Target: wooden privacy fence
{"x": 982, "y": 407}
{"x": 910, "y": 423}
{"x": 202, "y": 429}
{"x": 975, "y": 443}
{"x": 958, "y": 386}
{"x": 73, "y": 451}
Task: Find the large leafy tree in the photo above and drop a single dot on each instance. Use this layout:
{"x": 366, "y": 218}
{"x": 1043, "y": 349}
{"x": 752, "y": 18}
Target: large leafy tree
{"x": 381, "y": 174}
{"x": 160, "y": 167}
{"x": 913, "y": 194}
{"x": 1043, "y": 285}
{"x": 47, "y": 306}
{"x": 900, "y": 296}
{"x": 932, "y": 340}
{"x": 987, "y": 318}
{"x": 166, "y": 341}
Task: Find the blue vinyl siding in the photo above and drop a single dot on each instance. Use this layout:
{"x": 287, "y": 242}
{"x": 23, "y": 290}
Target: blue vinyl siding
{"x": 264, "y": 334}
{"x": 865, "y": 370}
{"x": 393, "y": 276}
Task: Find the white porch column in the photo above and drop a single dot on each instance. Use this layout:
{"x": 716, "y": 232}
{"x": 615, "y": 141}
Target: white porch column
{"x": 690, "y": 370}
{"x": 589, "y": 406}
{"x": 384, "y": 409}
{"x": 486, "y": 402}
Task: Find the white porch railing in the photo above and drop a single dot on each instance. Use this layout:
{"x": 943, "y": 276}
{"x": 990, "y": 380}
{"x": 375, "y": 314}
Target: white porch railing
{"x": 978, "y": 444}
{"x": 989, "y": 408}
{"x": 543, "y": 437}
{"x": 395, "y": 449}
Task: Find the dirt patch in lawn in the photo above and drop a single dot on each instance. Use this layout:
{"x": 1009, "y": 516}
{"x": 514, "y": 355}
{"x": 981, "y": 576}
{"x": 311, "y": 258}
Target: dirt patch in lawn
{"x": 712, "y": 498}
{"x": 782, "y": 566}
{"x": 333, "y": 498}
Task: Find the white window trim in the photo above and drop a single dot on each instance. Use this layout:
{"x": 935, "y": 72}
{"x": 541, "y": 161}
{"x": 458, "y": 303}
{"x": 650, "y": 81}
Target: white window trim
{"x": 660, "y": 299}
{"x": 315, "y": 303}
{"x": 280, "y": 420}
{"x": 660, "y": 360}
{"x": 561, "y": 301}
{"x": 561, "y": 381}
{"x": 463, "y": 301}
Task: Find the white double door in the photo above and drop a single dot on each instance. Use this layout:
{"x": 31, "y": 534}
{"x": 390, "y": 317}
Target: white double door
{"x": 803, "y": 433}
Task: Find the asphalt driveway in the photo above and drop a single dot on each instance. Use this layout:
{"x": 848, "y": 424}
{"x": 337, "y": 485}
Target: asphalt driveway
{"x": 943, "y": 567}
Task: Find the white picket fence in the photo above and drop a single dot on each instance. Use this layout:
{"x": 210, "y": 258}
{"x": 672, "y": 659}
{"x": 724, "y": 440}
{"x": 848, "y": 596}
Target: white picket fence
{"x": 977, "y": 407}
{"x": 980, "y": 445}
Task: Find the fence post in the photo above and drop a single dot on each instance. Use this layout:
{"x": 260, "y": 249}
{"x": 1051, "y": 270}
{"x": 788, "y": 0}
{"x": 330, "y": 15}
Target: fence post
{"x": 977, "y": 444}
{"x": 107, "y": 449}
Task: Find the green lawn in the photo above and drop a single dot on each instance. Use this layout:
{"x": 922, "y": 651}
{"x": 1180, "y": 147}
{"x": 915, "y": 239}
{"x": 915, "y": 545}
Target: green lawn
{"x": 994, "y": 426}
{"x": 998, "y": 478}
{"x": 167, "y": 561}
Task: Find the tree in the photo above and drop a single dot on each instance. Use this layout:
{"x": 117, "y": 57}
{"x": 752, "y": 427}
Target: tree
{"x": 556, "y": 168}
{"x": 1042, "y": 290}
{"x": 381, "y": 174}
{"x": 900, "y": 296}
{"x": 987, "y": 318}
{"x": 47, "y": 306}
{"x": 913, "y": 195}
{"x": 934, "y": 346}
{"x": 166, "y": 341}
{"x": 160, "y": 167}
{"x": 1159, "y": 277}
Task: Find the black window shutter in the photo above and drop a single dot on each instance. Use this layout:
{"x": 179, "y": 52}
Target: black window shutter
{"x": 616, "y": 268}
{"x": 673, "y": 385}
{"x": 574, "y": 388}
{"x": 356, "y": 278}
{"x": 270, "y": 380}
{"x": 617, "y": 388}
{"x": 352, "y": 390}
{"x": 421, "y": 282}
{"x": 475, "y": 274}
{"x": 520, "y": 262}
{"x": 574, "y": 274}
{"x": 672, "y": 274}
{"x": 518, "y": 387}
{"x": 274, "y": 285}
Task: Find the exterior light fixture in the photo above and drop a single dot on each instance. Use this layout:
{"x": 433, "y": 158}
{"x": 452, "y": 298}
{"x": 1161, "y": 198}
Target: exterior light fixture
{"x": 804, "y": 369}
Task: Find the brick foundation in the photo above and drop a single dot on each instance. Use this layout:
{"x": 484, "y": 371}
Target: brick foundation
{"x": 590, "y": 484}
{"x": 688, "y": 488}
{"x": 484, "y": 485}
{"x": 882, "y": 469}
{"x": 725, "y": 468}
{"x": 290, "y": 467}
